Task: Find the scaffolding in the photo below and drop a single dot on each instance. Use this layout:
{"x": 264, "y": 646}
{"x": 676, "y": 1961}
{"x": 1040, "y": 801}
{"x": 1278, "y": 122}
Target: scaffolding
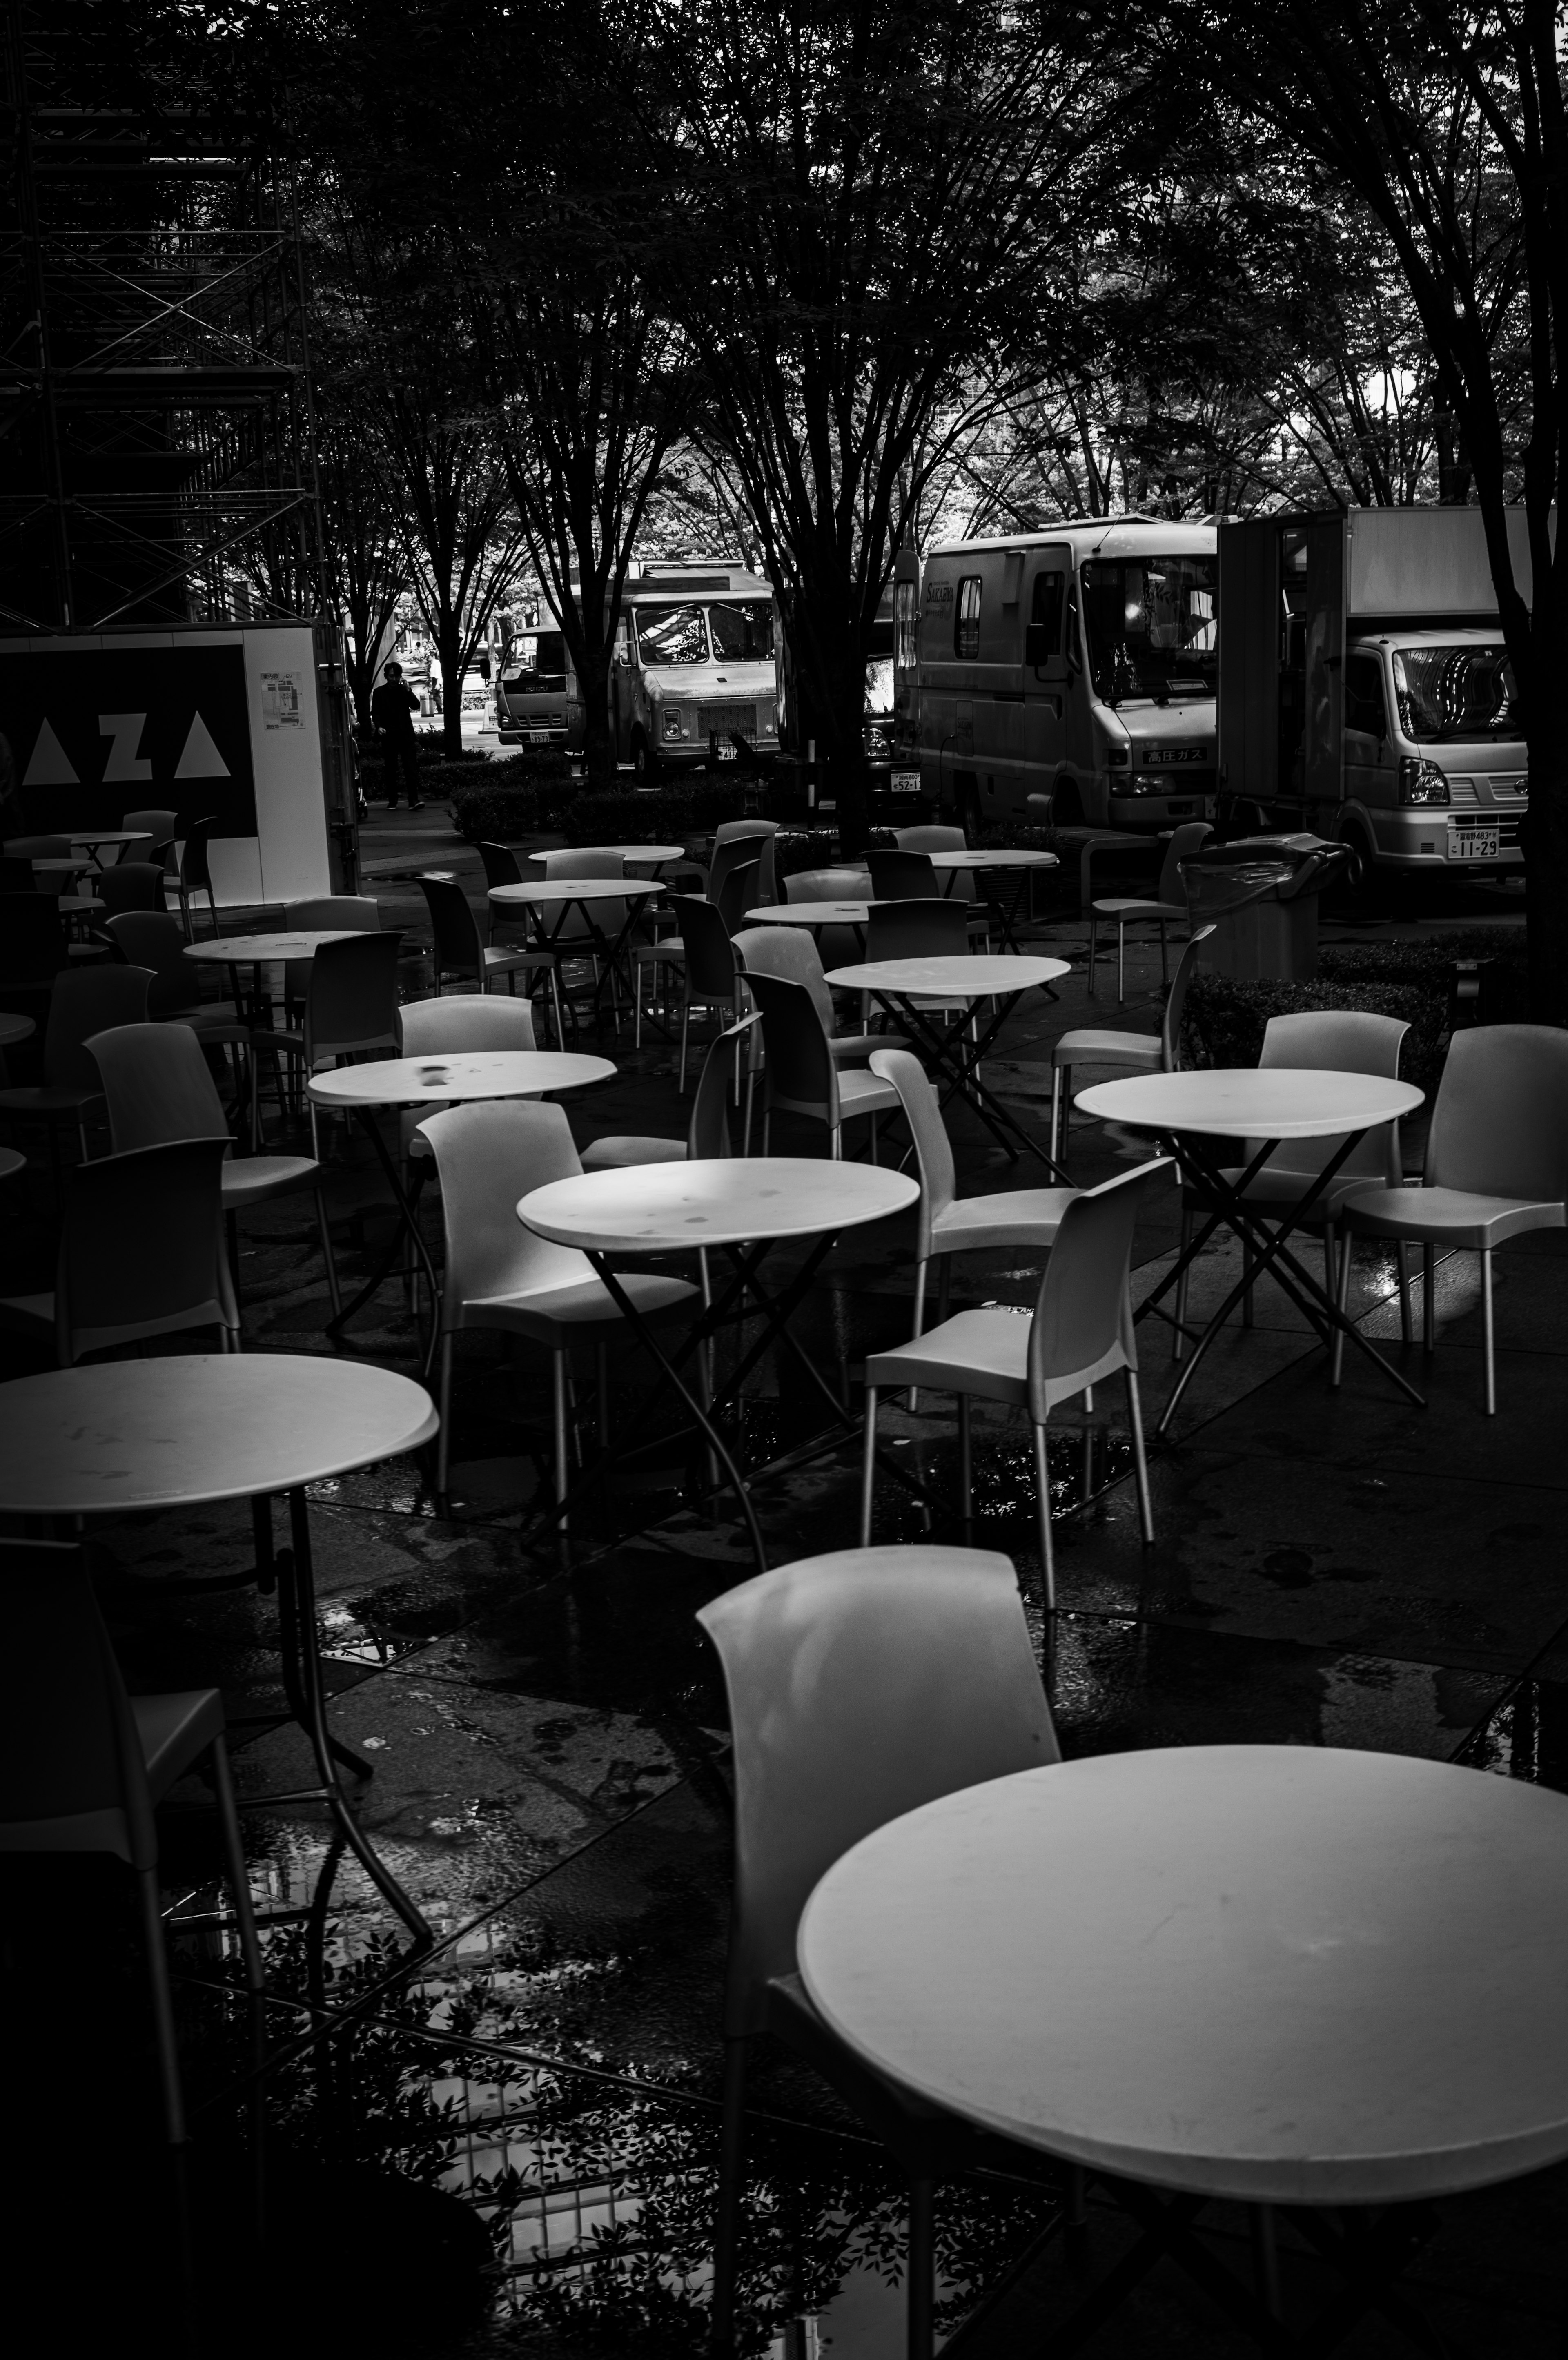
{"x": 156, "y": 444}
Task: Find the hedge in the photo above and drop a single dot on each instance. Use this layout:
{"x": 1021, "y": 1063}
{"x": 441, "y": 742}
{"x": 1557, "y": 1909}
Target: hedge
{"x": 661, "y": 815}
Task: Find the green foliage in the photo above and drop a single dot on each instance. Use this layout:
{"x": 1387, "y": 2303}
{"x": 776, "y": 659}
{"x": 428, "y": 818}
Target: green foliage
{"x": 665, "y": 814}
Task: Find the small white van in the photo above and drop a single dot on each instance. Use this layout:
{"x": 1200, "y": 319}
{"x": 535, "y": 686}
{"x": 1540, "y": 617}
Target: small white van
{"x": 1080, "y": 663}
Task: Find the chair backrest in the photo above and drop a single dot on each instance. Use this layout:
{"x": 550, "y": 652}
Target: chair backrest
{"x": 1176, "y": 1001}
{"x": 933, "y": 1150}
{"x": 160, "y": 827}
{"x": 356, "y": 913}
{"x": 902, "y": 876}
{"x": 841, "y": 884}
{"x": 352, "y": 1001}
{"x": 728, "y": 830}
{"x": 82, "y": 1004}
{"x": 195, "y": 869}
{"x": 500, "y": 864}
{"x": 737, "y": 842}
{"x": 710, "y": 959}
{"x": 461, "y": 1023}
{"x": 741, "y": 891}
{"x": 861, "y": 1685}
{"x": 1337, "y": 1040}
{"x": 586, "y": 861}
{"x": 156, "y": 939}
{"x": 1500, "y": 1124}
{"x": 130, "y": 885}
{"x": 488, "y": 1154}
{"x": 141, "y": 1248}
{"x": 708, "y": 1132}
{"x": 1084, "y": 1314}
{"x": 32, "y": 937}
{"x": 37, "y": 847}
{"x": 930, "y": 839}
{"x": 897, "y": 930}
{"x": 788, "y": 951}
{"x": 72, "y": 1774}
{"x": 454, "y": 930}
{"x": 1184, "y": 841}
{"x": 156, "y": 1086}
{"x": 799, "y": 1069}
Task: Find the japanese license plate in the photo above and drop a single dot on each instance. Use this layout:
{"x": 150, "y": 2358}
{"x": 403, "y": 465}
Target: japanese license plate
{"x": 1473, "y": 842}
{"x": 726, "y": 753}
{"x": 906, "y": 782}
{"x": 537, "y": 736}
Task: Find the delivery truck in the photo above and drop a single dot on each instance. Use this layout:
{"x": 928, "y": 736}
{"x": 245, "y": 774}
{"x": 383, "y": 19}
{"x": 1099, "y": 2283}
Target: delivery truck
{"x": 1079, "y": 664}
{"x": 1365, "y": 691}
{"x": 694, "y": 667}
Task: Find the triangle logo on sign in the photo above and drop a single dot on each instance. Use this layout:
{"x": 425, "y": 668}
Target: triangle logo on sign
{"x": 50, "y": 764}
{"x": 200, "y": 758}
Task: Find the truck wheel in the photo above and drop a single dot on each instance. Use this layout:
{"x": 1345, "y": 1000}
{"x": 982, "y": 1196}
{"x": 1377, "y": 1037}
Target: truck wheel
{"x": 643, "y": 762}
{"x": 1066, "y": 804}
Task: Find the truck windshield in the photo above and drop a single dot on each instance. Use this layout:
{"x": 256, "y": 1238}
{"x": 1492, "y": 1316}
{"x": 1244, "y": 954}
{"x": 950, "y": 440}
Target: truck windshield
{"x": 743, "y": 631}
{"x": 1152, "y": 626}
{"x": 540, "y": 666}
{"x": 1451, "y": 695}
{"x": 671, "y": 635}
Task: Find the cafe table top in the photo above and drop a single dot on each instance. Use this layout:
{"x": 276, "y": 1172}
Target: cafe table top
{"x": 809, "y": 914}
{"x": 15, "y": 1027}
{"x": 578, "y": 888}
{"x": 245, "y": 950}
{"x": 963, "y": 975}
{"x": 1284, "y": 1975}
{"x": 1000, "y": 860}
{"x": 469, "y": 1074}
{"x": 175, "y": 1430}
{"x": 1252, "y": 1101}
{"x": 725, "y": 1200}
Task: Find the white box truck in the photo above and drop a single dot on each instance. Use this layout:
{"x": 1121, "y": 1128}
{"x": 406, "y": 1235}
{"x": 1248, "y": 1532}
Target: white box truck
{"x": 1079, "y": 663}
{"x": 1364, "y": 691}
{"x": 694, "y": 667}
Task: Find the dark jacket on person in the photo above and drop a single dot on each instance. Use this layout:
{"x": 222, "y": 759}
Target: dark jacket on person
{"x": 392, "y": 708}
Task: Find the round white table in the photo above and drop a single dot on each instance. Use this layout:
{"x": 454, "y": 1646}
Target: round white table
{"x": 814, "y": 915}
{"x": 1283, "y": 1974}
{"x": 266, "y": 950}
{"x": 653, "y": 856}
{"x": 438, "y": 1081}
{"x": 93, "y": 840}
{"x": 15, "y": 1029}
{"x": 1016, "y": 866}
{"x": 1262, "y": 1105}
{"x": 902, "y": 984}
{"x": 740, "y": 1206}
{"x": 12, "y": 1160}
{"x": 587, "y": 894}
{"x": 122, "y": 1436}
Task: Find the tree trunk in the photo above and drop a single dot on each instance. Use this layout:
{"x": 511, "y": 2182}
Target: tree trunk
{"x": 1544, "y": 835}
{"x": 449, "y": 647}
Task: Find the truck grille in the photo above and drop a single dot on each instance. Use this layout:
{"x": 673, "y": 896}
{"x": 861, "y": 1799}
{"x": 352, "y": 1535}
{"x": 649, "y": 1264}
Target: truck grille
{"x": 741, "y": 718}
{"x": 1506, "y": 823}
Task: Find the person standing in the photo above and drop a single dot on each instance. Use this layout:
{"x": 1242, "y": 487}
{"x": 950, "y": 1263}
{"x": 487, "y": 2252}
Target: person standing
{"x": 392, "y": 709}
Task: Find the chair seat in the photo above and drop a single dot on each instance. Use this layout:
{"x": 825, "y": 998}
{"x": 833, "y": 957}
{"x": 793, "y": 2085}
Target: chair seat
{"x": 1449, "y": 1216}
{"x": 1010, "y": 1217}
{"x": 251, "y": 1179}
{"x": 50, "y": 1097}
{"x": 1134, "y": 908}
{"x": 510, "y": 962}
{"x": 985, "y": 1353}
{"x": 667, "y": 953}
{"x": 1139, "y": 1051}
{"x": 618, "y": 1154}
{"x": 864, "y": 1093}
{"x": 174, "y": 1730}
{"x": 554, "y": 1314}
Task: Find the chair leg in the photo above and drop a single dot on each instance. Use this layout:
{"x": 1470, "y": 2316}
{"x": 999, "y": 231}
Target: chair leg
{"x": 1429, "y": 1297}
{"x": 558, "y": 1374}
{"x": 1055, "y": 1112}
{"x": 256, "y": 1980}
{"x": 965, "y": 1464}
{"x": 1121, "y": 962}
{"x": 1179, "y": 1333}
{"x": 1248, "y": 1307}
{"x": 636, "y": 1006}
{"x": 919, "y": 1329}
{"x": 732, "y": 2184}
{"x": 868, "y": 1467}
{"x": 334, "y": 1291}
{"x": 1336, "y": 1357}
{"x": 921, "y": 2271}
{"x": 1488, "y": 1328}
{"x": 151, "y": 1907}
{"x": 1093, "y": 949}
{"x": 602, "y": 1385}
{"x": 1043, "y": 1509}
{"x": 443, "y": 1406}
{"x": 1407, "y": 1326}
{"x": 1164, "y": 957}
{"x": 685, "y": 1028}
{"x": 1140, "y": 1463}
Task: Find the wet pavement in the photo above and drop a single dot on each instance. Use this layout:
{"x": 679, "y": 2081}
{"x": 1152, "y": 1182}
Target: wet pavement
{"x": 514, "y": 2152}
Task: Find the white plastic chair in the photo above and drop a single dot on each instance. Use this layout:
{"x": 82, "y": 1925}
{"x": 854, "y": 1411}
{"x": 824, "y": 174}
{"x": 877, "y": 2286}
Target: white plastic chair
{"x": 1170, "y": 903}
{"x": 1322, "y": 1040}
{"x": 500, "y": 1274}
{"x": 861, "y": 1685}
{"x": 1082, "y": 1332}
{"x": 1133, "y": 1052}
{"x": 1496, "y": 1162}
{"x": 707, "y": 1134}
{"x": 788, "y": 951}
{"x": 801, "y": 1075}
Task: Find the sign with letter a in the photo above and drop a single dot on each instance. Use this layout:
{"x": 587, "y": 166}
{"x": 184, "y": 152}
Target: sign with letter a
{"x": 96, "y": 732}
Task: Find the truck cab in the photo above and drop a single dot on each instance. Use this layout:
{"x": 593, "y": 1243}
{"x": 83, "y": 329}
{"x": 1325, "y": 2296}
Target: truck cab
{"x": 1079, "y": 664}
{"x": 538, "y": 701}
{"x": 1435, "y": 770}
{"x": 694, "y": 667}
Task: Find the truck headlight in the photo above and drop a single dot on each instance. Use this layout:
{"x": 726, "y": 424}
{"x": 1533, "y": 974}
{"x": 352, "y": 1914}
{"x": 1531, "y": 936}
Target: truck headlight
{"x": 1422, "y": 781}
{"x": 672, "y": 727}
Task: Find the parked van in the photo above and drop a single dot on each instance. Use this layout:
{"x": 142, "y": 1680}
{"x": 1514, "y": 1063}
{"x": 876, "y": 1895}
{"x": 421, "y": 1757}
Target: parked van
{"x": 536, "y": 698}
{"x": 1080, "y": 663}
{"x": 1365, "y": 692}
{"x": 695, "y": 665}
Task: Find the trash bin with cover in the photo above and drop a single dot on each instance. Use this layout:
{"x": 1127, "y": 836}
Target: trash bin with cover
{"x": 1260, "y": 894}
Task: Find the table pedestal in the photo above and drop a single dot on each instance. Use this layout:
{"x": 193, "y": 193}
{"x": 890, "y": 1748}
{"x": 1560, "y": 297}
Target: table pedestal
{"x": 957, "y": 1060}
